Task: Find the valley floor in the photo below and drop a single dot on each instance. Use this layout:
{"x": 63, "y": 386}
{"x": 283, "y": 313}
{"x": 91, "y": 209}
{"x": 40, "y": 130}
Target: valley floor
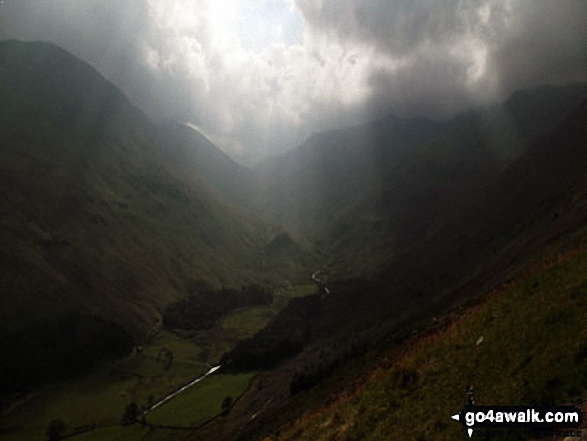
{"x": 91, "y": 407}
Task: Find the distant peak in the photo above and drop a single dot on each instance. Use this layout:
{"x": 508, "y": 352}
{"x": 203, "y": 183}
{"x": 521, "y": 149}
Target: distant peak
{"x": 32, "y": 45}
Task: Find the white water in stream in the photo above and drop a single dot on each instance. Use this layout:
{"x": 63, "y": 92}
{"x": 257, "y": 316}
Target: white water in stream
{"x": 180, "y": 390}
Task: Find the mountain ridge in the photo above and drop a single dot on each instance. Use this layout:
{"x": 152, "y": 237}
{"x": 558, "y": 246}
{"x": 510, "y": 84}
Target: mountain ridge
{"x": 312, "y": 185}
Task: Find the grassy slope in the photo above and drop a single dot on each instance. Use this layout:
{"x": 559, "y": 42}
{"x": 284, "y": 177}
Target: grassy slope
{"x": 196, "y": 154}
{"x": 533, "y": 352}
{"x": 93, "y": 218}
{"x": 414, "y": 197}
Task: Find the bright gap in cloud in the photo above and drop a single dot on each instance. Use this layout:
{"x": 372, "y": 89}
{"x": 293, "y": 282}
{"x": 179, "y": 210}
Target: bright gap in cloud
{"x": 266, "y": 22}
{"x": 260, "y": 23}
{"x": 256, "y": 81}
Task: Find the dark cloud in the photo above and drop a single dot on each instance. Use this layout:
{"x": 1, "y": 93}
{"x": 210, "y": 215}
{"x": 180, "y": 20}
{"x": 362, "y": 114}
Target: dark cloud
{"x": 396, "y": 27}
{"x": 455, "y": 53}
{"x": 434, "y": 84}
{"x": 547, "y": 43}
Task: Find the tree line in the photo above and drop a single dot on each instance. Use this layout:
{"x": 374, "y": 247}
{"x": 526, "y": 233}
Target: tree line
{"x": 57, "y": 348}
{"x": 205, "y": 306}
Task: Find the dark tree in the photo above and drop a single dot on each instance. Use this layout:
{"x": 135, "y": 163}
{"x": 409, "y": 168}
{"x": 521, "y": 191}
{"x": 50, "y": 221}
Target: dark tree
{"x": 226, "y": 403}
{"x": 168, "y": 360}
{"x": 55, "y": 430}
{"x": 203, "y": 307}
{"x": 131, "y": 413}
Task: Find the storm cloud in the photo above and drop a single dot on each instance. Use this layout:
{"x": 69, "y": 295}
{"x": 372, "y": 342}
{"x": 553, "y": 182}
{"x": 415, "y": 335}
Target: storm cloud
{"x": 258, "y": 78}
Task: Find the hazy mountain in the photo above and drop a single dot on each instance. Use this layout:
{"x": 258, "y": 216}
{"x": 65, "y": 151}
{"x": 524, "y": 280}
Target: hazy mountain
{"x": 99, "y": 227}
{"x": 195, "y": 154}
{"x": 309, "y": 188}
{"x": 536, "y": 198}
{"x": 305, "y": 188}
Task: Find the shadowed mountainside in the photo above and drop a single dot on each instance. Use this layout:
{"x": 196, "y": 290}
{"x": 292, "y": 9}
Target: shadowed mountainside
{"x": 95, "y": 219}
{"x": 376, "y": 187}
{"x": 191, "y": 151}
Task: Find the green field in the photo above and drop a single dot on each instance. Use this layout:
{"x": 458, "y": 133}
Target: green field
{"x": 251, "y": 320}
{"x": 144, "y": 377}
{"x": 101, "y": 397}
{"x": 200, "y": 402}
{"x": 190, "y": 408}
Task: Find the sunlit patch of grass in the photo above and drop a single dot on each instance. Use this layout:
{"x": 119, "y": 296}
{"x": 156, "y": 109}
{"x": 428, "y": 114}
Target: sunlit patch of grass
{"x": 200, "y": 402}
{"x": 247, "y": 322}
{"x": 250, "y": 321}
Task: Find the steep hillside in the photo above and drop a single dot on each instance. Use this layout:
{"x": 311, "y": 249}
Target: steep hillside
{"x": 538, "y": 198}
{"x": 191, "y": 151}
{"x": 437, "y": 178}
{"x": 524, "y": 344}
{"x": 97, "y": 224}
{"x": 194, "y": 156}
{"x": 305, "y": 188}
{"x": 415, "y": 196}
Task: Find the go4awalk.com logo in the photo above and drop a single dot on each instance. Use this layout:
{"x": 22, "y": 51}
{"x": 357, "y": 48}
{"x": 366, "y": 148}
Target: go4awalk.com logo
{"x": 543, "y": 417}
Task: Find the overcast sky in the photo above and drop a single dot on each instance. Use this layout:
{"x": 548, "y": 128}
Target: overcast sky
{"x": 259, "y": 76}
